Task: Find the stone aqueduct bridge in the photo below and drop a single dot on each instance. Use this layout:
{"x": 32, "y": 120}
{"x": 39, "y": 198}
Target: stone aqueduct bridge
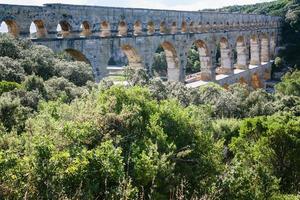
{"x": 92, "y": 34}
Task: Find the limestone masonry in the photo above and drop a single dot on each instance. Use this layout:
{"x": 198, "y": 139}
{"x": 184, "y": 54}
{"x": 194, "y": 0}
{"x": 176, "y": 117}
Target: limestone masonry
{"x": 92, "y": 34}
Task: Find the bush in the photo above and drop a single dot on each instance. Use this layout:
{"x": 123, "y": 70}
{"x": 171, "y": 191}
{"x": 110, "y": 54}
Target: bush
{"x": 76, "y": 72}
{"x": 290, "y": 84}
{"x": 12, "y": 114}
{"x": 62, "y": 88}
{"x": 6, "y": 86}
{"x": 11, "y": 70}
{"x": 9, "y": 47}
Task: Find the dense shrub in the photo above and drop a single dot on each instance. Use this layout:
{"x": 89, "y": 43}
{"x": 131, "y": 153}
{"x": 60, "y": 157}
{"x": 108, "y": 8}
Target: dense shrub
{"x": 8, "y": 86}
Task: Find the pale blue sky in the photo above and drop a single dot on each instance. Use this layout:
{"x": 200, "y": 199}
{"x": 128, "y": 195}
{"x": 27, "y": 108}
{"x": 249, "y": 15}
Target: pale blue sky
{"x": 160, "y": 4}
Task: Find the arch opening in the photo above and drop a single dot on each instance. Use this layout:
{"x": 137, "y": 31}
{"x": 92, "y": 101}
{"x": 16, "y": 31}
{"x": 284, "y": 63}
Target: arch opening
{"x": 225, "y": 57}
{"x": 243, "y": 81}
{"x": 265, "y": 48}
{"x": 150, "y": 28}
{"x": 254, "y": 50}
{"x": 63, "y": 29}
{"x": 267, "y": 74}
{"x": 174, "y": 28}
{"x": 11, "y": 27}
{"x": 192, "y": 27}
{"x": 122, "y": 29}
{"x": 38, "y": 29}
{"x": 272, "y": 46}
{"x": 255, "y": 81}
{"x": 200, "y": 27}
{"x": 105, "y": 30}
{"x": 199, "y": 61}
{"x": 138, "y": 28}
{"x": 184, "y": 28}
{"x": 85, "y": 29}
{"x": 163, "y": 28}
{"x": 122, "y": 57}
{"x": 166, "y": 62}
{"x": 77, "y": 55}
{"x": 241, "y": 54}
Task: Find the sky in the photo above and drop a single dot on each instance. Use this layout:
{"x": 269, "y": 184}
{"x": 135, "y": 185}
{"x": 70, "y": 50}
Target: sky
{"x": 159, "y": 4}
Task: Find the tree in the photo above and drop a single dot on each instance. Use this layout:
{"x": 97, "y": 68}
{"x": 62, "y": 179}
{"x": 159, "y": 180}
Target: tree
{"x": 76, "y": 72}
{"x": 290, "y": 84}
{"x": 11, "y": 70}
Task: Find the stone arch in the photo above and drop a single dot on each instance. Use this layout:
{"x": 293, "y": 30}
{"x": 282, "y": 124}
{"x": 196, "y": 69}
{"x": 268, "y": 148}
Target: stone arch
{"x": 86, "y": 29}
{"x": 255, "y": 50}
{"x": 272, "y": 45}
{"x": 150, "y": 28}
{"x": 12, "y": 27}
{"x": 255, "y": 81}
{"x": 122, "y": 28}
{"x": 206, "y": 27}
{"x": 138, "y": 28}
{"x": 243, "y": 81}
{"x": 267, "y": 74}
{"x": 163, "y": 27}
{"x": 192, "y": 27}
{"x": 215, "y": 26}
{"x": 77, "y": 55}
{"x": 63, "y": 29}
{"x": 226, "y": 86}
{"x": 192, "y": 72}
{"x": 205, "y": 60}
{"x": 184, "y": 27}
{"x": 221, "y": 26}
{"x": 40, "y": 29}
{"x": 174, "y": 28}
{"x": 226, "y": 62}
{"x": 134, "y": 59}
{"x": 105, "y": 30}
{"x": 242, "y": 55}
{"x": 265, "y": 49}
{"x": 200, "y": 27}
{"x": 173, "y": 71}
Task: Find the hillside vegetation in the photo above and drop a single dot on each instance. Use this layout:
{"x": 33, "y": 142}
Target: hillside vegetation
{"x": 64, "y": 137}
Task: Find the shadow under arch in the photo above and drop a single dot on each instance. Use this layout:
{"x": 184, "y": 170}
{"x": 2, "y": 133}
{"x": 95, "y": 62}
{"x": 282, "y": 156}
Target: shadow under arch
{"x": 134, "y": 59}
{"x": 77, "y": 55}
{"x": 150, "y": 28}
{"x": 254, "y": 50}
{"x": 267, "y": 74}
{"x": 272, "y": 45}
{"x": 205, "y": 60}
{"x": 64, "y": 29}
{"x": 163, "y": 27}
{"x": 12, "y": 26}
{"x": 122, "y": 28}
{"x": 243, "y": 81}
{"x": 255, "y": 81}
{"x": 241, "y": 53}
{"x": 225, "y": 56}
{"x": 265, "y": 50}
{"x": 172, "y": 60}
{"x": 105, "y": 30}
{"x": 184, "y": 27}
{"x": 138, "y": 28}
{"x": 40, "y": 29}
{"x": 86, "y": 29}
{"x": 199, "y": 60}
